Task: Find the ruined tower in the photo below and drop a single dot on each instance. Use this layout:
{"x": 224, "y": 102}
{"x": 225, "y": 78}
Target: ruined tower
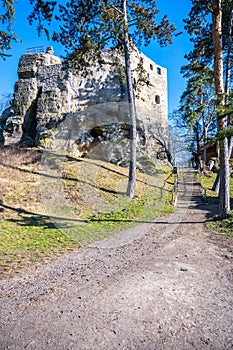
{"x": 56, "y": 107}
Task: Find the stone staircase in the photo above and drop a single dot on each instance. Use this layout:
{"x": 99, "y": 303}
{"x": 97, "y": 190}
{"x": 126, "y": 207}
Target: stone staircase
{"x": 190, "y": 191}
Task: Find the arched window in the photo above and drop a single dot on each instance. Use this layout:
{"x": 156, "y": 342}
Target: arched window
{"x": 158, "y": 70}
{"x": 157, "y": 99}
{"x": 151, "y": 66}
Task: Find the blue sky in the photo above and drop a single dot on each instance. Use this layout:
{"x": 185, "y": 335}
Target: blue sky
{"x": 171, "y": 57}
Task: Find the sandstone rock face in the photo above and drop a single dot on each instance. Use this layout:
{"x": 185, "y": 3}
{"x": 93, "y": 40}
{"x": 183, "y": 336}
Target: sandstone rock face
{"x": 55, "y": 108}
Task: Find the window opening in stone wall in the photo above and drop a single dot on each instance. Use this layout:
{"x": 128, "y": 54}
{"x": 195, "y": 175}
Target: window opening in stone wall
{"x": 157, "y": 99}
{"x": 158, "y": 70}
{"x": 151, "y": 66}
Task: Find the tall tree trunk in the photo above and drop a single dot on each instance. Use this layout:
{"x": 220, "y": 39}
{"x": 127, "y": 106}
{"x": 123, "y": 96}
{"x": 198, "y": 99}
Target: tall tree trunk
{"x": 216, "y": 184}
{"x": 205, "y": 146}
{"x": 132, "y": 109}
{"x": 228, "y": 58}
{"x": 230, "y": 146}
{"x": 222, "y": 121}
{"x": 227, "y": 83}
{"x": 197, "y": 137}
{"x": 203, "y": 126}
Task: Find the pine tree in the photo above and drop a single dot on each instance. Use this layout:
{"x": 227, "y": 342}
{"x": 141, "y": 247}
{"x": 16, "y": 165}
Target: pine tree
{"x": 7, "y": 36}
{"x": 89, "y": 27}
{"x": 197, "y": 103}
{"x": 222, "y": 119}
{"x": 208, "y": 26}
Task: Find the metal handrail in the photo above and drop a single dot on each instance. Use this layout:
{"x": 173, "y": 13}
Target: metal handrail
{"x": 202, "y": 189}
{"x": 175, "y": 190}
{"x": 36, "y": 49}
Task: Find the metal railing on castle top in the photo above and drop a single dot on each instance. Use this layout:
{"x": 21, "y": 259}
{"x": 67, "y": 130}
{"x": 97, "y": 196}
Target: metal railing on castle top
{"x": 36, "y": 49}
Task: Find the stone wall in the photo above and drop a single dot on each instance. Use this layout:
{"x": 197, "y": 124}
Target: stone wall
{"x": 54, "y": 107}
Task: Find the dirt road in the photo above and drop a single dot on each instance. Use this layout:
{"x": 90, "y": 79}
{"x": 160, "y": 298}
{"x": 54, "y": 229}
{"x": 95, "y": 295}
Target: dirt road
{"x": 160, "y": 286}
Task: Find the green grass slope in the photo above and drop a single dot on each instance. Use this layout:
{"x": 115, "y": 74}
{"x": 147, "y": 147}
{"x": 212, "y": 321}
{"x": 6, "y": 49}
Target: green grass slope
{"x": 215, "y": 224}
{"x": 51, "y": 203}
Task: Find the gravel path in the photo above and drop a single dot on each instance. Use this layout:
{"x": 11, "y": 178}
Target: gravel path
{"x": 160, "y": 286}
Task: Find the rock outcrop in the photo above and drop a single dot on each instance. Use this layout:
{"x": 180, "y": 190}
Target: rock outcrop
{"x": 54, "y": 107}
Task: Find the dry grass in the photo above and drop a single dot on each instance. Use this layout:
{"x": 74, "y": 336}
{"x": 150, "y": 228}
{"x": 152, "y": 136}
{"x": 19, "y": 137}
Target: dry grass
{"x": 53, "y": 202}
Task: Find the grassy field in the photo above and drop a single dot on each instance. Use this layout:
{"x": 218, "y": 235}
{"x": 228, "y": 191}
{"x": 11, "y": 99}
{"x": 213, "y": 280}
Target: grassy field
{"x": 51, "y": 203}
{"x": 215, "y": 224}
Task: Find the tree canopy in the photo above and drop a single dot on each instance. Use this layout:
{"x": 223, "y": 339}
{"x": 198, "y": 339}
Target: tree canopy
{"x": 7, "y": 36}
{"x": 91, "y": 26}
{"x": 210, "y": 27}
{"x": 87, "y": 28}
{"x": 199, "y": 27}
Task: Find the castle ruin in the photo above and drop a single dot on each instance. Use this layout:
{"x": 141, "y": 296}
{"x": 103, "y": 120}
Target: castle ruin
{"x": 55, "y": 107}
